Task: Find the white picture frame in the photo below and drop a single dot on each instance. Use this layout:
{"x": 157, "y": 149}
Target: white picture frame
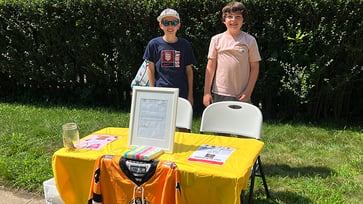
{"x": 153, "y": 117}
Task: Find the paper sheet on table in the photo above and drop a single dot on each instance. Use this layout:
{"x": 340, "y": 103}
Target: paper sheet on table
{"x": 211, "y": 154}
{"x": 96, "y": 141}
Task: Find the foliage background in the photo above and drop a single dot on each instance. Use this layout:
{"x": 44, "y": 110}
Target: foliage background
{"x": 87, "y": 51}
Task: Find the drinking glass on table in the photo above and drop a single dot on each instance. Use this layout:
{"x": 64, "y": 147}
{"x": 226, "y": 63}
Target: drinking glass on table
{"x": 70, "y": 135}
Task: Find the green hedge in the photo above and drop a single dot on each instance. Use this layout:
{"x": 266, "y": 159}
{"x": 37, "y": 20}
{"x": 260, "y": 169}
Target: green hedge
{"x": 87, "y": 51}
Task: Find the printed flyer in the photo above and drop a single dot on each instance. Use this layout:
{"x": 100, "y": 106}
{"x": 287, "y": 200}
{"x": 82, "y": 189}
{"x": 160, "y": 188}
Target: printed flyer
{"x": 96, "y": 141}
{"x": 211, "y": 154}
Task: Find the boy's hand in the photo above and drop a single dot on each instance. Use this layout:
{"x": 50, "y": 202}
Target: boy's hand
{"x": 244, "y": 98}
{"x": 191, "y": 100}
{"x": 207, "y": 99}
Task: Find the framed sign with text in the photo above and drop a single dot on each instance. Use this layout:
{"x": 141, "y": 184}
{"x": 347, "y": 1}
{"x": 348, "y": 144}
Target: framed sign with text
{"x": 152, "y": 117}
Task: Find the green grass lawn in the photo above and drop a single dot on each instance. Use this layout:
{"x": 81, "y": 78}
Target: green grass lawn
{"x": 303, "y": 163}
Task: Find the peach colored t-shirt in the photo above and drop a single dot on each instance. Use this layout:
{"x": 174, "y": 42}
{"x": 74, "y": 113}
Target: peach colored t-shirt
{"x": 233, "y": 62}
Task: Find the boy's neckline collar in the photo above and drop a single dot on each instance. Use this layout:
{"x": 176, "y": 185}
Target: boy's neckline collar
{"x": 234, "y": 34}
{"x": 170, "y": 39}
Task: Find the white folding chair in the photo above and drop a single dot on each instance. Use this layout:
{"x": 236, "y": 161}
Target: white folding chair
{"x": 184, "y": 115}
{"x": 236, "y": 118}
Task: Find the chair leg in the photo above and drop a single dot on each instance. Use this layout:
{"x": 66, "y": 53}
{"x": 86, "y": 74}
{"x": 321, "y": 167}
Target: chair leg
{"x": 252, "y": 184}
{"x": 243, "y": 197}
{"x": 263, "y": 177}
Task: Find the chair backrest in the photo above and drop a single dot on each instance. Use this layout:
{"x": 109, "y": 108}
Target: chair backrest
{"x": 232, "y": 117}
{"x": 184, "y": 115}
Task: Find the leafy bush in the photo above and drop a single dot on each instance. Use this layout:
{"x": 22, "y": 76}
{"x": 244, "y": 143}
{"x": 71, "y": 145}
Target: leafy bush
{"x": 88, "y": 51}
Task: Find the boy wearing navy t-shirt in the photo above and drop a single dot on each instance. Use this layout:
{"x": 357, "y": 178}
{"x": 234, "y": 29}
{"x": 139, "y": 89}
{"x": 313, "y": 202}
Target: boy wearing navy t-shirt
{"x": 171, "y": 57}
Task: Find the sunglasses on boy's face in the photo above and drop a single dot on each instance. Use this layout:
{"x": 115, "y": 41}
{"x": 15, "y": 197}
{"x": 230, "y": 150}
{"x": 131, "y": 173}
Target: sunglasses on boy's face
{"x": 168, "y": 23}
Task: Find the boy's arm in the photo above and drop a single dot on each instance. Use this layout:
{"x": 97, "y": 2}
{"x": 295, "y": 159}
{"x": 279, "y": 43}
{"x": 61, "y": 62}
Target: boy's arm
{"x": 189, "y": 72}
{"x": 246, "y": 94}
{"x": 151, "y": 74}
{"x": 209, "y": 75}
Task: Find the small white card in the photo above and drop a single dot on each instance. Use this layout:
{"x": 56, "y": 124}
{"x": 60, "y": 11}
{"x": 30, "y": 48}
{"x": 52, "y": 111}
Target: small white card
{"x": 211, "y": 154}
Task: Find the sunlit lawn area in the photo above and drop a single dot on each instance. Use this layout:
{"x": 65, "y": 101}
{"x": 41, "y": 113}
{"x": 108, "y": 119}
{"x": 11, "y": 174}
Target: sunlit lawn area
{"x": 303, "y": 163}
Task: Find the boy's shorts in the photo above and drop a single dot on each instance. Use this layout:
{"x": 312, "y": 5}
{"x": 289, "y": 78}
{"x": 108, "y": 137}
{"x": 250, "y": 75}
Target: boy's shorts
{"x": 219, "y": 98}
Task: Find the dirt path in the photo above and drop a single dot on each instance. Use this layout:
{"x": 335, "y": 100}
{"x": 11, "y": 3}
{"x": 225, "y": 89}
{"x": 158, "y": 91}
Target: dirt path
{"x": 18, "y": 197}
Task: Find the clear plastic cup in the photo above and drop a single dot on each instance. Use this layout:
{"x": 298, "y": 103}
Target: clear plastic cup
{"x": 70, "y": 135}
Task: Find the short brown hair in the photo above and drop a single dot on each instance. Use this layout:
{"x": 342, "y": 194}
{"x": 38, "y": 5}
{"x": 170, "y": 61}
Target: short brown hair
{"x": 234, "y": 7}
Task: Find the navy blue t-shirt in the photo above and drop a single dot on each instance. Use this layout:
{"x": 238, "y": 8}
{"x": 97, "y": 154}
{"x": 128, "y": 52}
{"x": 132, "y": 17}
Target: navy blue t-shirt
{"x": 170, "y": 60}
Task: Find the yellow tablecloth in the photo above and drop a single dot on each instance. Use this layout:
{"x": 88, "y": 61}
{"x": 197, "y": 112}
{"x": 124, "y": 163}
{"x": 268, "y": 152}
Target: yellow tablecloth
{"x": 200, "y": 182}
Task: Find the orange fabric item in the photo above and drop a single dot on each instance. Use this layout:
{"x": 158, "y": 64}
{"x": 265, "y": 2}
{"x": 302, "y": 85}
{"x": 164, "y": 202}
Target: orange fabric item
{"x": 118, "y": 180}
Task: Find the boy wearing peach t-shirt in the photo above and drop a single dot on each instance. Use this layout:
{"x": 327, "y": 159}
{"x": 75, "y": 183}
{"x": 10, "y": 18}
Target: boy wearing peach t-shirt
{"x": 233, "y": 60}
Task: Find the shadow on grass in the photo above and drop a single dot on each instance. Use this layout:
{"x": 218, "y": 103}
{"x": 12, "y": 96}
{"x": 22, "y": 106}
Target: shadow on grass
{"x": 280, "y": 197}
{"x": 283, "y": 170}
